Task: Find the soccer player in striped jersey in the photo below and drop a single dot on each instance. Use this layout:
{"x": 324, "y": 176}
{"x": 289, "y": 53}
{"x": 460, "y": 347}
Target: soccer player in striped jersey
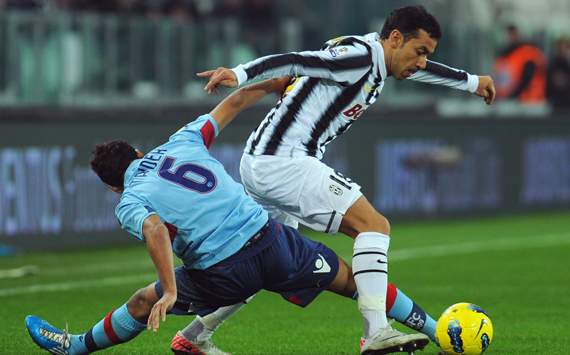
{"x": 330, "y": 90}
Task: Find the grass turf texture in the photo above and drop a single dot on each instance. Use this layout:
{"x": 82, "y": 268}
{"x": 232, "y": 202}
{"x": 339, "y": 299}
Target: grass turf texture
{"x": 516, "y": 268}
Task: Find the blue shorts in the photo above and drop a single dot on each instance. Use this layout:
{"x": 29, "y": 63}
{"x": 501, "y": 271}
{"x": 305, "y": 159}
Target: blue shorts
{"x": 281, "y": 260}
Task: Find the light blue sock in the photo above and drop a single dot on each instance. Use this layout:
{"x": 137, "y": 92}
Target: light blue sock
{"x": 407, "y": 312}
{"x": 117, "y": 327}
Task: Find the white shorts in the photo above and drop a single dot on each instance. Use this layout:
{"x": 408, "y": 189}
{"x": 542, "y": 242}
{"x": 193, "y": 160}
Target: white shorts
{"x": 301, "y": 189}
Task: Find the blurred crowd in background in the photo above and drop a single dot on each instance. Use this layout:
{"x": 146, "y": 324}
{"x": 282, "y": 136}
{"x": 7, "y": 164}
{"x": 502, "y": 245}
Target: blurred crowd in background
{"x": 253, "y": 15}
{"x": 141, "y": 49}
{"x": 523, "y": 72}
{"x": 257, "y": 12}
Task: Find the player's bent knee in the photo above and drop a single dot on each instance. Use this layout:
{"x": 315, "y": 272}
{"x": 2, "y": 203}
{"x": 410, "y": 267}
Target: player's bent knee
{"x": 141, "y": 302}
{"x": 374, "y": 223}
{"x": 362, "y": 217}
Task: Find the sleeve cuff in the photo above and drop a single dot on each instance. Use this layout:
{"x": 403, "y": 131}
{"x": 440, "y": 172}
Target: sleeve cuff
{"x": 472, "y": 83}
{"x": 140, "y": 235}
{"x": 240, "y": 73}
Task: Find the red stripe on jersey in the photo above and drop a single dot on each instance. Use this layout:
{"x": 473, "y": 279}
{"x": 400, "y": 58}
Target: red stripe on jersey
{"x": 208, "y": 133}
{"x": 391, "y": 294}
{"x": 108, "y": 327}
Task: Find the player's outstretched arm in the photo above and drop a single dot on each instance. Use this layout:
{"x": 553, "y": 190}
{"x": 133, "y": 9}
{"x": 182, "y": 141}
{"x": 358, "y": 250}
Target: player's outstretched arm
{"x": 160, "y": 250}
{"x": 344, "y": 64}
{"x": 244, "y": 98}
{"x": 441, "y": 74}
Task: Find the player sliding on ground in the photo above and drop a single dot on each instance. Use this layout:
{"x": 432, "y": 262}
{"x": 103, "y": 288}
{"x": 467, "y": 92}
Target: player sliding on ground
{"x": 177, "y": 198}
{"x": 330, "y": 89}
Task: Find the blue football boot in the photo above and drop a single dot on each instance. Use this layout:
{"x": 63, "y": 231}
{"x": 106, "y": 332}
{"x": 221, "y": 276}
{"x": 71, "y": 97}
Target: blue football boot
{"x": 48, "y": 337}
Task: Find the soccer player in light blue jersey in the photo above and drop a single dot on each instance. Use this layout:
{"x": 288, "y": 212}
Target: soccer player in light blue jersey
{"x": 178, "y": 198}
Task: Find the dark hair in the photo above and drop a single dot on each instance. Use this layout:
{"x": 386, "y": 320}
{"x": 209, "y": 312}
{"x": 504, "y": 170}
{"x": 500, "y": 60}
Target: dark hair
{"x": 111, "y": 160}
{"x": 409, "y": 20}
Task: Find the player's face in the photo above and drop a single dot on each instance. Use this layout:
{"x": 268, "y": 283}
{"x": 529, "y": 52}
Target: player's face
{"x": 412, "y": 54}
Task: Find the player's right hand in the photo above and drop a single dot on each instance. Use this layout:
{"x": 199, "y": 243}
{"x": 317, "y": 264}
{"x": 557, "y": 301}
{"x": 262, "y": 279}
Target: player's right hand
{"x": 220, "y": 76}
{"x": 159, "y": 310}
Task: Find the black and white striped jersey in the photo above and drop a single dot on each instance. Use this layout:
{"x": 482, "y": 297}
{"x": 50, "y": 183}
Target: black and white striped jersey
{"x": 330, "y": 89}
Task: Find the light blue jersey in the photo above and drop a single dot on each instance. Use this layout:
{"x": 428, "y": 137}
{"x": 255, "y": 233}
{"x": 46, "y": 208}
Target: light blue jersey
{"x": 209, "y": 213}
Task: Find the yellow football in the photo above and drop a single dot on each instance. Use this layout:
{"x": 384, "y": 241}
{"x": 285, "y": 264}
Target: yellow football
{"x": 464, "y": 328}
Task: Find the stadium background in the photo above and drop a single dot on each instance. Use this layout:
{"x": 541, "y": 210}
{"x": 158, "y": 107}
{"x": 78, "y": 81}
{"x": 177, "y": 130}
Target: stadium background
{"x": 76, "y": 72}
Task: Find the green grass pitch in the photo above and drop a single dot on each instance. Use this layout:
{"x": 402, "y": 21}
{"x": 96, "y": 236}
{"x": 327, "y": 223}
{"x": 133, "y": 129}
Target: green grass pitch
{"x": 517, "y": 268}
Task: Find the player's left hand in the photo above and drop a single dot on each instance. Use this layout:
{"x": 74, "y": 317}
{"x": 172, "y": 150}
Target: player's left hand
{"x": 220, "y": 76}
{"x": 158, "y": 312}
{"x": 486, "y": 89}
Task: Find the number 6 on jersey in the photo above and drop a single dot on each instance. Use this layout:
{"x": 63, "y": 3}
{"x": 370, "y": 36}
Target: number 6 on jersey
{"x": 181, "y": 177}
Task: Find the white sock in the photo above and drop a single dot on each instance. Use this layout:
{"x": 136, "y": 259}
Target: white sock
{"x": 202, "y": 328}
{"x": 370, "y": 270}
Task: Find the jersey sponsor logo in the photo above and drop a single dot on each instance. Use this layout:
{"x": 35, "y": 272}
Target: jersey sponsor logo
{"x": 354, "y": 112}
{"x": 321, "y": 266}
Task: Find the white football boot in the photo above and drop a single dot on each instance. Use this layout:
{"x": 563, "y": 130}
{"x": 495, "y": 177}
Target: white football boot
{"x": 388, "y": 340}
